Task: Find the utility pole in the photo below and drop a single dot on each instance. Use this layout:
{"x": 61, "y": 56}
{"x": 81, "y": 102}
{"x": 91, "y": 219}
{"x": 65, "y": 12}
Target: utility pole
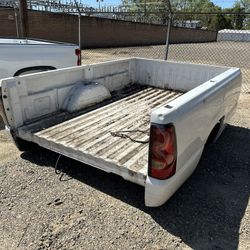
{"x": 24, "y": 18}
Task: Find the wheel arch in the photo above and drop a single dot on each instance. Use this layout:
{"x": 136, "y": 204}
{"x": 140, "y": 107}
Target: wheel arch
{"x": 216, "y": 131}
{"x": 27, "y": 69}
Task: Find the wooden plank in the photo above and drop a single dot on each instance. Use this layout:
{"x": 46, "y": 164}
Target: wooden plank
{"x": 89, "y": 134}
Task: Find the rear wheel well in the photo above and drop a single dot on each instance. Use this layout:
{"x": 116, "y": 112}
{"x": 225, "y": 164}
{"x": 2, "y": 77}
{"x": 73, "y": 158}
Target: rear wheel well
{"x": 214, "y": 134}
{"x": 34, "y": 68}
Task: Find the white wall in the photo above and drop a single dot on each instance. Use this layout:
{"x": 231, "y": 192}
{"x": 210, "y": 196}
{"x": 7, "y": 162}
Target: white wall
{"x": 234, "y": 35}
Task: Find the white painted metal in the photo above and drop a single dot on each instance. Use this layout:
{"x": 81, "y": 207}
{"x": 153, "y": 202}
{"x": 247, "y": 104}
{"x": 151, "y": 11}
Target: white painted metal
{"x": 17, "y": 54}
{"x": 194, "y": 115}
{"x": 83, "y": 95}
{"x": 211, "y": 95}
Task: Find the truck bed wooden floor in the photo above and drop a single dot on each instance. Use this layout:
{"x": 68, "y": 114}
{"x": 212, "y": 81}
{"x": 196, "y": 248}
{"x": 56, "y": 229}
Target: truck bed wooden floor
{"x": 97, "y": 137}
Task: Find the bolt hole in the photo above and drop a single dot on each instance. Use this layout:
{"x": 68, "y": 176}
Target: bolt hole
{"x": 169, "y": 106}
{"x": 5, "y": 96}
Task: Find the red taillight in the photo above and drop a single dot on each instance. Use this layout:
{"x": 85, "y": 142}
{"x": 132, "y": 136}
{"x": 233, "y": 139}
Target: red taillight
{"x": 79, "y": 57}
{"x": 162, "y": 151}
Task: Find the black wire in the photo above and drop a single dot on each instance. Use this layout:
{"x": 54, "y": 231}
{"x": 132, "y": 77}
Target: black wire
{"x": 59, "y": 171}
{"x": 121, "y": 135}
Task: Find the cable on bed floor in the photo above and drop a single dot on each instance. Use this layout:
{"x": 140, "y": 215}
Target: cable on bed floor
{"x": 122, "y": 134}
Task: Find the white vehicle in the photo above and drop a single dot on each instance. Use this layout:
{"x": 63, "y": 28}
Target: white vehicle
{"x": 145, "y": 120}
{"x": 23, "y": 56}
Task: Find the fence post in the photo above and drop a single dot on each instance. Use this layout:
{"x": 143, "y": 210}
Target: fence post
{"x": 16, "y": 20}
{"x": 79, "y": 30}
{"x": 168, "y": 36}
{"x": 170, "y": 15}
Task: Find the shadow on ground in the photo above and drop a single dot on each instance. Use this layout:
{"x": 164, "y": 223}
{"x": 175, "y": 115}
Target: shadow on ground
{"x": 206, "y": 211}
{"x": 1, "y": 123}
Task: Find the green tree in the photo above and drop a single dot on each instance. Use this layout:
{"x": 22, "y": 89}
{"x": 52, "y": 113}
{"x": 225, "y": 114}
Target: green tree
{"x": 246, "y": 5}
{"x": 212, "y": 22}
{"x": 144, "y": 8}
{"x": 238, "y": 19}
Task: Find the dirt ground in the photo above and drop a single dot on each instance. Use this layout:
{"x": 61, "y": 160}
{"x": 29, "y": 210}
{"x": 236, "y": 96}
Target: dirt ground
{"x": 85, "y": 208}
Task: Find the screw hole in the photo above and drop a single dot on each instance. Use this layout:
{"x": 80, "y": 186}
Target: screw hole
{"x": 169, "y": 106}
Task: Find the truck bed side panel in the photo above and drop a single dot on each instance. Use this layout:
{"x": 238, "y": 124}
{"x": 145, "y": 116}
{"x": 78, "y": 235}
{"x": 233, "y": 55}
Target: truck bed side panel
{"x": 194, "y": 116}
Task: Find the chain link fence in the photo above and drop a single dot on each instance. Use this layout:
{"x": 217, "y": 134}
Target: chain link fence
{"x": 232, "y": 48}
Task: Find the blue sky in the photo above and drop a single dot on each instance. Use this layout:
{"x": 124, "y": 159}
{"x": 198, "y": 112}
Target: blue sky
{"x": 94, "y": 3}
{"x": 224, "y": 3}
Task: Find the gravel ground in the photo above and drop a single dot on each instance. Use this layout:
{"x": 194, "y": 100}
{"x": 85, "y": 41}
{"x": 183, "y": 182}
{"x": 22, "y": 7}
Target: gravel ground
{"x": 85, "y": 208}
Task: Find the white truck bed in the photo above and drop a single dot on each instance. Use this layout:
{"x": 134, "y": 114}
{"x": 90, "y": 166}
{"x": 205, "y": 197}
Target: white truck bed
{"x": 90, "y": 140}
{"x": 184, "y": 105}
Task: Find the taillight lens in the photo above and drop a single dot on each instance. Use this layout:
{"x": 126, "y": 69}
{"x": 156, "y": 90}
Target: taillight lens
{"x": 79, "y": 57}
{"x": 162, "y": 151}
